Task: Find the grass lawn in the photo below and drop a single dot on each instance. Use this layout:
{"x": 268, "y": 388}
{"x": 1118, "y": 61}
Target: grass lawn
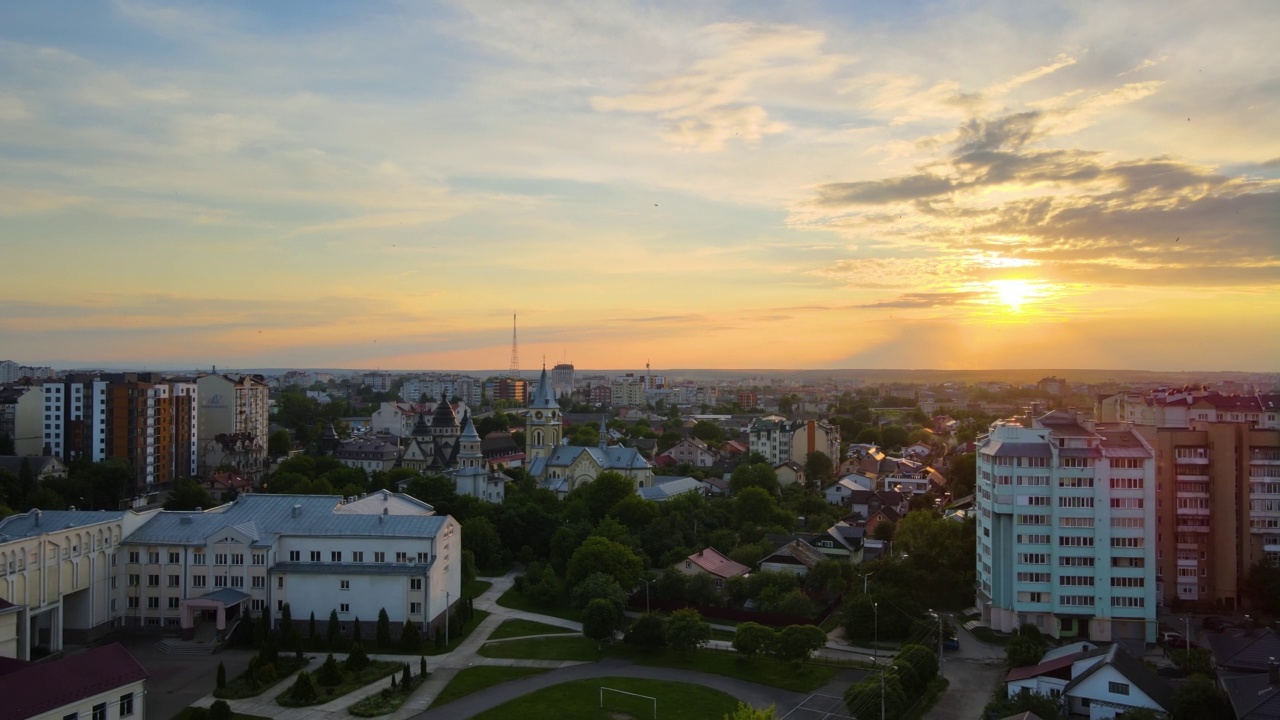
{"x": 514, "y": 600}
{"x": 474, "y": 679}
{"x": 241, "y": 686}
{"x": 521, "y": 628}
{"x": 765, "y": 671}
{"x": 473, "y": 588}
{"x": 377, "y": 670}
{"x": 726, "y": 635}
{"x": 570, "y": 647}
{"x": 455, "y": 639}
{"x": 581, "y": 700}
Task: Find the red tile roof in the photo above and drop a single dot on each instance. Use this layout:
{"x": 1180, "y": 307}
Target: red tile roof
{"x": 713, "y": 562}
{"x": 1044, "y": 668}
{"x": 41, "y": 687}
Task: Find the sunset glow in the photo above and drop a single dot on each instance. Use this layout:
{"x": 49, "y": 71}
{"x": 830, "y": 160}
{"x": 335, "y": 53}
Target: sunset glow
{"x": 750, "y": 185}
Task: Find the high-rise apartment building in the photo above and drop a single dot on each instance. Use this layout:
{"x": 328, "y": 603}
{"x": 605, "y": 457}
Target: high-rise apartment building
{"x": 233, "y": 420}
{"x": 1218, "y": 508}
{"x": 75, "y": 418}
{"x": 9, "y": 371}
{"x": 1066, "y": 514}
{"x": 21, "y": 418}
{"x": 562, "y": 379}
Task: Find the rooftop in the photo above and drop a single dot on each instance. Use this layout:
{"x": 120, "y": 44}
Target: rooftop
{"x": 713, "y": 562}
{"x": 38, "y": 688}
{"x": 35, "y": 522}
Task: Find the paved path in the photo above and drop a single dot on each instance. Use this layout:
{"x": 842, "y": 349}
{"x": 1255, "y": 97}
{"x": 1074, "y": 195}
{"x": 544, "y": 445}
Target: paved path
{"x": 973, "y": 672}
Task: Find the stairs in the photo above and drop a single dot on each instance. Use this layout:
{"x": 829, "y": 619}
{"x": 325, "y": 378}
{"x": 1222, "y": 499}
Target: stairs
{"x": 174, "y": 646}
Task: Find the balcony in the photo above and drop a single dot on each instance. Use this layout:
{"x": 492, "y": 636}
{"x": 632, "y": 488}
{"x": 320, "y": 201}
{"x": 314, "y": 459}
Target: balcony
{"x": 1198, "y": 460}
{"x": 1195, "y": 528}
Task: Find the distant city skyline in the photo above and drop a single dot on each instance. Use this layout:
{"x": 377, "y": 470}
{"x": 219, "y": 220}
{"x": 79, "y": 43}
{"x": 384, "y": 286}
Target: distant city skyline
{"x": 804, "y": 185}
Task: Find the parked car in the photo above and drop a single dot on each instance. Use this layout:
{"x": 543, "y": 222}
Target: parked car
{"x": 1168, "y": 638}
{"x": 1181, "y": 643}
{"x": 1216, "y": 624}
{"x": 951, "y": 643}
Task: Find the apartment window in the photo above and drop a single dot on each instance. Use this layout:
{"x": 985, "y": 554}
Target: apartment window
{"x": 259, "y": 558}
{"x": 1076, "y": 600}
{"x": 134, "y": 556}
{"x": 1126, "y": 503}
{"x": 402, "y": 557}
{"x": 1033, "y": 597}
{"x": 237, "y": 558}
{"x": 1126, "y": 483}
{"x": 280, "y": 582}
{"x": 153, "y": 556}
{"x": 295, "y": 556}
{"x": 1032, "y": 539}
{"x": 279, "y": 605}
{"x": 415, "y": 608}
{"x": 415, "y": 583}
{"x": 1118, "y": 688}
{"x": 1075, "y": 502}
{"x": 197, "y": 558}
{"x": 258, "y": 582}
{"x": 1033, "y": 519}
{"x": 357, "y": 556}
{"x": 1034, "y": 500}
{"x": 379, "y": 557}
{"x": 153, "y": 581}
{"x": 1033, "y": 558}
{"x": 220, "y": 559}
{"x": 175, "y": 580}
{"x": 423, "y": 557}
{"x": 219, "y": 581}
{"x": 1075, "y": 522}
{"x": 1123, "y": 562}
{"x": 315, "y": 556}
{"x": 1075, "y": 482}
{"x": 175, "y": 558}
{"x": 1073, "y": 561}
{"x": 131, "y": 603}
{"x": 126, "y": 705}
{"x": 344, "y": 584}
{"x": 199, "y": 581}
{"x": 1075, "y": 462}
{"x": 344, "y": 608}
{"x": 1033, "y": 577}
{"x": 1076, "y": 580}
{"x": 135, "y": 580}
{"x": 335, "y": 556}
{"x": 1129, "y": 582}
{"x": 1075, "y": 541}
{"x": 1124, "y": 542}
{"x": 100, "y": 711}
{"x": 153, "y": 603}
{"x": 237, "y": 581}
{"x": 174, "y": 603}
{"x": 258, "y": 604}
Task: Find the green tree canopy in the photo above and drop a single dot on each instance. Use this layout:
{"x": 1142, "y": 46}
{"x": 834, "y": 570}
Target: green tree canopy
{"x": 598, "y": 555}
{"x": 760, "y": 475}
{"x": 601, "y": 619}
{"x": 187, "y": 494}
{"x": 686, "y": 631}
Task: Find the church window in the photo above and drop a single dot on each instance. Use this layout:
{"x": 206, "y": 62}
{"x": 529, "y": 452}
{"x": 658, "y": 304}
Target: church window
{"x": 538, "y": 415}
{"x": 537, "y": 437}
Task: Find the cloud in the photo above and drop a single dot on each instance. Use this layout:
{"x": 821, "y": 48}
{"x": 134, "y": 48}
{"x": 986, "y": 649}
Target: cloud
{"x": 927, "y": 300}
{"x": 713, "y": 101}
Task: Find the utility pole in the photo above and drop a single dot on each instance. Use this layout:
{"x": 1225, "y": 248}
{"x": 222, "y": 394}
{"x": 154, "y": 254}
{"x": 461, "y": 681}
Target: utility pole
{"x": 446, "y": 618}
{"x": 875, "y": 643}
{"x": 939, "y": 616}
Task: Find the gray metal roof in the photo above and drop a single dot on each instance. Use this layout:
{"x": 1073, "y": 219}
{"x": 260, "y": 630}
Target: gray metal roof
{"x": 274, "y": 515}
{"x": 226, "y": 596}
{"x": 1001, "y": 448}
{"x": 544, "y": 397}
{"x": 17, "y": 527}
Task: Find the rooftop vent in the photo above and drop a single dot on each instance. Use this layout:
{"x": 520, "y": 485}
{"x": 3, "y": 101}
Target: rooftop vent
{"x": 186, "y": 520}
{"x": 297, "y": 510}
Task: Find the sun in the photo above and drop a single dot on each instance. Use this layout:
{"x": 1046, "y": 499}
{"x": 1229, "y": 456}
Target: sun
{"x": 1013, "y": 294}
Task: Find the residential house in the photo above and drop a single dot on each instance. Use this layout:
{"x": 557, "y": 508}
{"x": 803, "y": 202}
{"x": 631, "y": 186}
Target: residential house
{"x": 842, "y": 491}
{"x": 797, "y": 556}
{"x": 1255, "y": 696}
{"x": 99, "y": 683}
{"x": 666, "y": 487}
{"x": 371, "y": 455}
{"x": 692, "y": 451}
{"x": 790, "y": 473}
{"x": 1100, "y": 684}
{"x": 223, "y": 483}
{"x": 500, "y": 450}
{"x": 43, "y": 467}
{"x": 1246, "y": 652}
{"x": 712, "y": 562}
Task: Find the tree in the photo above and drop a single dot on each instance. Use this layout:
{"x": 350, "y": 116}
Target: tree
{"x": 288, "y": 632}
{"x": 1199, "y": 697}
{"x": 600, "y": 620}
{"x": 884, "y": 530}
{"x": 303, "y": 691}
{"x": 329, "y": 674}
{"x": 405, "y": 677}
{"x": 382, "y": 633}
{"x": 311, "y": 626}
{"x": 635, "y": 512}
{"x": 1042, "y": 706}
{"x": 1262, "y": 585}
{"x": 894, "y": 436}
{"x": 962, "y": 475}
{"x": 186, "y": 494}
{"x": 751, "y": 639}
{"x": 686, "y": 631}
{"x": 707, "y": 431}
{"x": 606, "y": 491}
{"x": 758, "y": 475}
{"x": 746, "y": 712}
{"x": 220, "y": 710}
{"x": 598, "y": 586}
{"x": 357, "y": 659}
{"x": 869, "y": 436}
{"x": 26, "y": 480}
{"x": 222, "y": 676}
{"x": 922, "y": 660}
{"x": 648, "y": 632}
{"x": 798, "y": 642}
{"x": 1023, "y": 650}
{"x": 410, "y": 637}
{"x": 334, "y": 630}
{"x": 818, "y": 468}
{"x": 481, "y": 537}
{"x": 754, "y": 505}
{"x": 596, "y": 554}
{"x": 278, "y": 443}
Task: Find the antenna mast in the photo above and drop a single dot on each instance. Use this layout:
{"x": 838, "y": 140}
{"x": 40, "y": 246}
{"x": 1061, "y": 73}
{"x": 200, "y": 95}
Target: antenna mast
{"x": 514, "y": 371}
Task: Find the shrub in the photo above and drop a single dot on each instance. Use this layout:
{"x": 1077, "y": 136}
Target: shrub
{"x": 648, "y": 632}
{"x": 405, "y": 676}
{"x": 266, "y": 673}
{"x": 751, "y": 639}
{"x": 422, "y": 666}
{"x": 303, "y": 691}
{"x": 357, "y": 660}
{"x": 220, "y": 710}
{"x": 329, "y": 674}
{"x": 382, "y": 636}
{"x": 410, "y": 637}
{"x": 222, "y": 676}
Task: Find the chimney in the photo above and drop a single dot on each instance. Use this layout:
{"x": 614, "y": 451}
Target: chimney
{"x": 36, "y": 515}
{"x": 386, "y": 511}
{"x": 297, "y": 510}
{"x": 1273, "y": 670}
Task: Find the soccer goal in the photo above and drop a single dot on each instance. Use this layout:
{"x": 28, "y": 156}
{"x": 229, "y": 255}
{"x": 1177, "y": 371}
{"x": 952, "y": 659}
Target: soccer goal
{"x": 650, "y": 698}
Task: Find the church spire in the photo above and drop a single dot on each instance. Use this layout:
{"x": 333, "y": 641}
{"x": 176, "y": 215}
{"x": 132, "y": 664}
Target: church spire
{"x": 545, "y": 397}
{"x": 604, "y": 432}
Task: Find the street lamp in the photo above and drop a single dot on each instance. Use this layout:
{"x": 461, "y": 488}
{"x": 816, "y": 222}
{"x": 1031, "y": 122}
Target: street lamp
{"x": 882, "y": 672}
{"x": 646, "y": 593}
{"x": 939, "y": 616}
{"x": 875, "y": 642}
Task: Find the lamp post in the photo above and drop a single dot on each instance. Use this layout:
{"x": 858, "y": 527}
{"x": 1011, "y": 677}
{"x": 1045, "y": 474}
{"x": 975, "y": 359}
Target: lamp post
{"x": 446, "y": 618}
{"x": 939, "y": 616}
{"x": 882, "y": 671}
{"x": 646, "y": 593}
{"x": 875, "y": 642}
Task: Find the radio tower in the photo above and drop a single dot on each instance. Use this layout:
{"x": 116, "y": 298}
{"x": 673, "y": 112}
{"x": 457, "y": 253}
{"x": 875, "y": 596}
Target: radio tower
{"x": 514, "y": 371}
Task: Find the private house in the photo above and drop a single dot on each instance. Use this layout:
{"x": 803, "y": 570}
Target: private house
{"x": 1255, "y": 696}
{"x": 99, "y": 683}
{"x": 666, "y": 487}
{"x": 711, "y": 562}
{"x": 43, "y": 467}
{"x": 692, "y": 451}
{"x": 1100, "y": 684}
{"x": 1246, "y": 652}
{"x": 841, "y": 493}
{"x": 797, "y": 556}
{"x": 371, "y": 455}
{"x": 220, "y": 484}
{"x": 789, "y": 473}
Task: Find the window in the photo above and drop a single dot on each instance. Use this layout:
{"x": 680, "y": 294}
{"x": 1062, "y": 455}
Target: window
{"x": 1075, "y": 502}
{"x": 259, "y": 558}
{"x": 174, "y": 558}
{"x": 315, "y": 556}
{"x": 280, "y": 582}
{"x": 344, "y": 608}
{"x": 1126, "y": 483}
{"x": 126, "y": 705}
{"x": 1075, "y": 541}
{"x": 1128, "y": 602}
{"x": 174, "y": 603}
{"x": 197, "y": 558}
{"x": 415, "y": 608}
{"x": 174, "y": 580}
{"x": 153, "y": 581}
{"x": 199, "y": 581}
{"x": 219, "y": 581}
{"x": 1076, "y": 600}
{"x": 1034, "y": 500}
{"x": 295, "y": 556}
{"x": 1033, "y": 519}
{"x": 132, "y": 603}
{"x": 134, "y": 580}
{"x": 100, "y": 711}
{"x": 153, "y": 556}
{"x": 1075, "y": 482}
{"x": 335, "y": 556}
{"x": 237, "y": 581}
{"x": 1076, "y": 580}
{"x": 344, "y": 584}
{"x": 258, "y": 604}
{"x": 402, "y": 557}
{"x": 357, "y": 556}
{"x": 1033, "y": 539}
{"x": 1118, "y": 688}
{"x": 1033, "y": 558}
{"x": 133, "y": 556}
{"x": 1035, "y": 577}
{"x": 279, "y": 605}
{"x": 1075, "y": 462}
{"x": 153, "y": 603}
{"x": 1076, "y": 522}
{"x": 237, "y": 559}
{"x": 259, "y": 582}
{"x": 1130, "y": 582}
{"x": 1126, "y": 503}
{"x": 220, "y": 559}
{"x": 379, "y": 557}
{"x": 415, "y": 583}
{"x": 1070, "y": 561}
{"x": 1123, "y": 542}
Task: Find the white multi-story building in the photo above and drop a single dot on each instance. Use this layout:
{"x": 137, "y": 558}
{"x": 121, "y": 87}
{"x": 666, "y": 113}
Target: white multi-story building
{"x": 1066, "y": 517}
{"x": 432, "y": 385}
{"x": 8, "y": 371}
{"x": 562, "y": 379}
{"x": 75, "y": 418}
{"x": 782, "y": 441}
{"x": 233, "y": 423}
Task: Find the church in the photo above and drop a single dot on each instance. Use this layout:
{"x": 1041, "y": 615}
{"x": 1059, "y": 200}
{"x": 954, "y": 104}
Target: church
{"x": 561, "y": 468}
{"x": 434, "y": 444}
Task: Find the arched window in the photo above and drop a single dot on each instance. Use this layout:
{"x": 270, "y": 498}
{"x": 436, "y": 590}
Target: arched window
{"x": 537, "y": 437}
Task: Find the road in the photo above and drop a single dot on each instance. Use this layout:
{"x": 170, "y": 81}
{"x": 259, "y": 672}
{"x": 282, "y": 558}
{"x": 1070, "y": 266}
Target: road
{"x": 973, "y": 672}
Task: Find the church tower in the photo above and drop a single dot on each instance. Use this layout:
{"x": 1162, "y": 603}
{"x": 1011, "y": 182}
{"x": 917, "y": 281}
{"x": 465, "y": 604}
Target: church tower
{"x": 543, "y": 422}
{"x": 469, "y": 454}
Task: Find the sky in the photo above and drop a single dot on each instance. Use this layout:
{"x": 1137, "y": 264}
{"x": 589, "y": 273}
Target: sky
{"x": 711, "y": 184}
